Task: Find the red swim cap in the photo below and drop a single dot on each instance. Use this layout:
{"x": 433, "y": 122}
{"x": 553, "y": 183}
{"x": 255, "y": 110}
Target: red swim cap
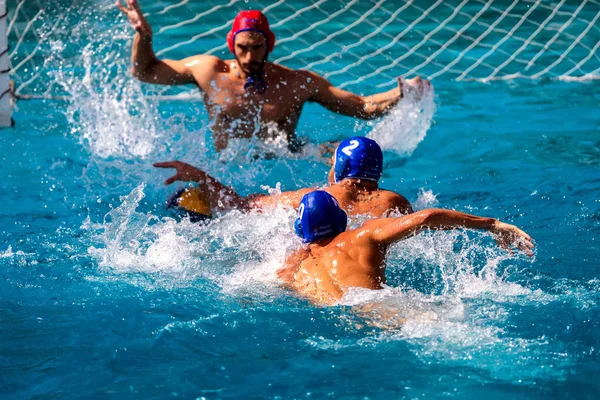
{"x": 252, "y": 20}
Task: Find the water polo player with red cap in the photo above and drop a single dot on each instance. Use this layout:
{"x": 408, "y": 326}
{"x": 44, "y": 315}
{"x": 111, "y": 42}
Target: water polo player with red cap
{"x": 249, "y": 96}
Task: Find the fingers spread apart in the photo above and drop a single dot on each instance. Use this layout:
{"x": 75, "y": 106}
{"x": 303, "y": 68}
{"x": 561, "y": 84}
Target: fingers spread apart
{"x": 121, "y": 7}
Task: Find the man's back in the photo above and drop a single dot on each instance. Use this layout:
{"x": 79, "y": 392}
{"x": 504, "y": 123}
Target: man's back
{"x": 373, "y": 202}
{"x": 355, "y": 200}
{"x": 323, "y": 271}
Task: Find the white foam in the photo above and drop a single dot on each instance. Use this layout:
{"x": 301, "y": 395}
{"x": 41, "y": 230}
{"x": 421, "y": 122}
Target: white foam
{"x": 110, "y": 115}
{"x": 130, "y": 243}
{"x": 8, "y": 253}
{"x": 425, "y": 199}
{"x": 406, "y": 125}
{"x": 19, "y": 254}
{"x": 236, "y": 251}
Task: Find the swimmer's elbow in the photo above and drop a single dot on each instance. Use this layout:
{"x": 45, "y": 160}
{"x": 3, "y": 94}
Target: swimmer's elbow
{"x": 147, "y": 71}
{"x": 138, "y": 73}
{"x": 372, "y": 111}
{"x": 429, "y": 217}
{"x": 141, "y": 74}
{"x": 368, "y": 111}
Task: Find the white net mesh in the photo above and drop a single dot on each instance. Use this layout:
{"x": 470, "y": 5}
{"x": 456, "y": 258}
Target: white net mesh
{"x": 358, "y": 45}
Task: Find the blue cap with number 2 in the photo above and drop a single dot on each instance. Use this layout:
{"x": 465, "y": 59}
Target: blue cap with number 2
{"x": 358, "y": 157}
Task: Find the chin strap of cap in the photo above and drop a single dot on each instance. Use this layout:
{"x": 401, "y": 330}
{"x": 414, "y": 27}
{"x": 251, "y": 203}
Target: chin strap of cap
{"x": 256, "y": 82}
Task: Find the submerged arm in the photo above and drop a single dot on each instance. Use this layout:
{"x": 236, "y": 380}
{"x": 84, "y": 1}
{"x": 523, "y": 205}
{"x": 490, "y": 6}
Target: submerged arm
{"x": 389, "y": 230}
{"x": 219, "y": 195}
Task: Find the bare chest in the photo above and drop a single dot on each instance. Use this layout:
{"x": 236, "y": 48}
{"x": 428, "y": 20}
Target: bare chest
{"x": 228, "y": 99}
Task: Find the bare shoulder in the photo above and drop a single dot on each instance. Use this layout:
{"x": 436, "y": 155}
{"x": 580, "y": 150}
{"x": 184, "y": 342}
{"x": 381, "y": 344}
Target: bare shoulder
{"x": 342, "y": 195}
{"x": 352, "y": 239}
{"x": 299, "y": 81}
{"x": 310, "y": 77}
{"x": 205, "y": 69}
{"x": 292, "y": 264}
{"x": 296, "y": 257}
{"x": 395, "y": 202}
{"x": 300, "y": 77}
{"x": 203, "y": 62}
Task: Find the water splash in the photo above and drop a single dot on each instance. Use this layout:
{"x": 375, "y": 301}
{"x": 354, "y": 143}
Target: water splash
{"x": 8, "y": 253}
{"x": 407, "y": 123}
{"x": 425, "y": 199}
{"x": 107, "y": 108}
{"x": 243, "y": 251}
{"x": 236, "y": 250}
{"x": 124, "y": 132}
{"x": 132, "y": 241}
{"x": 449, "y": 293}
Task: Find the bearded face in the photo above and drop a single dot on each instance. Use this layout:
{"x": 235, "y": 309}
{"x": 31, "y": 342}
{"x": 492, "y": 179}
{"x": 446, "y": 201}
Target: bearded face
{"x": 251, "y": 51}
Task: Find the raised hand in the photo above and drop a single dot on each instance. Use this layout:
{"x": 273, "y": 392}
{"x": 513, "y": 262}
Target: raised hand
{"x": 414, "y": 88}
{"x": 507, "y": 235}
{"x": 185, "y": 172}
{"x": 135, "y": 16}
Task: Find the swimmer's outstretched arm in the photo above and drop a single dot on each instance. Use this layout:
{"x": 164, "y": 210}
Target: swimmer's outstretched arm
{"x": 219, "y": 195}
{"x": 287, "y": 199}
{"x": 365, "y": 107}
{"x": 390, "y": 230}
{"x": 146, "y": 67}
{"x": 223, "y": 197}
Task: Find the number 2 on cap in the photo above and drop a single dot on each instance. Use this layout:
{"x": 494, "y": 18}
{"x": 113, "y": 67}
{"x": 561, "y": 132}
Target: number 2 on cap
{"x": 348, "y": 149}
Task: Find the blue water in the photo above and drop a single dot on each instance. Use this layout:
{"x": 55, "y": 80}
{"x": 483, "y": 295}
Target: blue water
{"x": 104, "y": 294}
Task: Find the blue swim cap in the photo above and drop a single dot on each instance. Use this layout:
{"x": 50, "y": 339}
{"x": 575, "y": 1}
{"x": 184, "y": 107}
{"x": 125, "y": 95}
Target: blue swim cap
{"x": 319, "y": 217}
{"x": 358, "y": 157}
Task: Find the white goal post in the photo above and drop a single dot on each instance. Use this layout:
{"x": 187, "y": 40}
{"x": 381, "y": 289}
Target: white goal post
{"x": 5, "y": 86}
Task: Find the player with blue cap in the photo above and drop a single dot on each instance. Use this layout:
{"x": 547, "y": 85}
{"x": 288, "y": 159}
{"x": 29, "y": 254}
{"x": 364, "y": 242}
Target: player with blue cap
{"x": 334, "y": 259}
{"x": 353, "y": 182}
{"x": 319, "y": 217}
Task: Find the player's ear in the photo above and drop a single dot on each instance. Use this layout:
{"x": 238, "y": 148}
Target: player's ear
{"x": 298, "y": 227}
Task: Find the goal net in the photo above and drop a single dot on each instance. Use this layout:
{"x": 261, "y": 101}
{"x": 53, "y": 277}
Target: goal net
{"x": 359, "y": 45}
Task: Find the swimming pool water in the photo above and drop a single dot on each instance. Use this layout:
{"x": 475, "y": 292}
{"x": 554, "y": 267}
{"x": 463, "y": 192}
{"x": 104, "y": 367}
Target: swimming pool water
{"x": 104, "y": 294}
